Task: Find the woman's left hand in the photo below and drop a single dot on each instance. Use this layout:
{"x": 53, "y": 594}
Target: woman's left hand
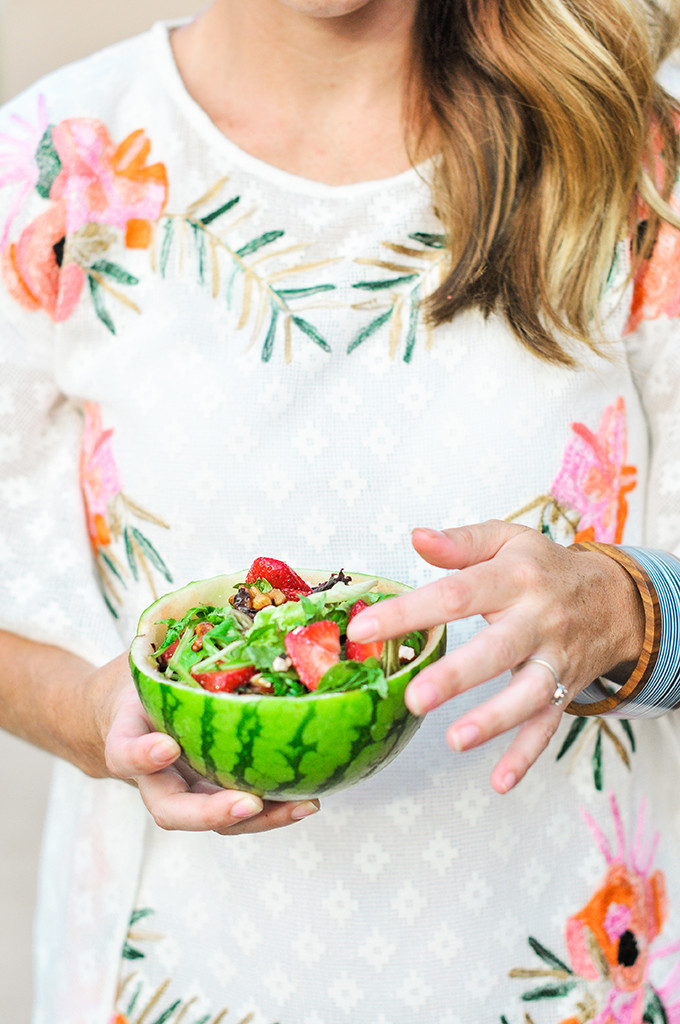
{"x": 578, "y": 611}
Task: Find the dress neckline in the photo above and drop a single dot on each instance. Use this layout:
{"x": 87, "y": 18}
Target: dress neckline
{"x": 164, "y": 60}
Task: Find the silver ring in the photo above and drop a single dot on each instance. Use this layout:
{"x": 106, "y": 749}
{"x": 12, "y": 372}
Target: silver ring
{"x": 560, "y": 694}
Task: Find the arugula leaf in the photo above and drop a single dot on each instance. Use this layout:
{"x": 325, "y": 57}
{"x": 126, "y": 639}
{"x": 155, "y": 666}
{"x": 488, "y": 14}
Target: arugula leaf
{"x": 354, "y": 675}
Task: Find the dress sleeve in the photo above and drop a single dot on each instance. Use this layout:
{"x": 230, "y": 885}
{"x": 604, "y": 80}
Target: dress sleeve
{"x": 653, "y": 346}
{"x": 48, "y": 588}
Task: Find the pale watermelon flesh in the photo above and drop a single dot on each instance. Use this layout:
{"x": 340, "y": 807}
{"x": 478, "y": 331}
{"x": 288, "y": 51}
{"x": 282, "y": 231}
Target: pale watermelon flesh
{"x": 281, "y": 748}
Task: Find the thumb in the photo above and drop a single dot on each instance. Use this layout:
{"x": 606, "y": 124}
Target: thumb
{"x": 463, "y": 546}
{"x": 132, "y": 749}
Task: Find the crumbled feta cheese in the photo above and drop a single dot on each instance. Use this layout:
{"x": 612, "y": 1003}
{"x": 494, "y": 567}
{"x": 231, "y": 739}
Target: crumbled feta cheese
{"x": 280, "y": 664}
{"x": 406, "y": 653}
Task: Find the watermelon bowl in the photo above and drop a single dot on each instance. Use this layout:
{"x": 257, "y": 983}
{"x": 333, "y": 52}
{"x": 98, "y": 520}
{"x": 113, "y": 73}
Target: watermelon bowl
{"x": 278, "y": 747}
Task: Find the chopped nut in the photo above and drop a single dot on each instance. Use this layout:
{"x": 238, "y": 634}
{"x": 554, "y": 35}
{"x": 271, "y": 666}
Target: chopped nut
{"x": 277, "y": 597}
{"x": 258, "y": 599}
{"x": 258, "y": 684}
{"x": 201, "y": 629}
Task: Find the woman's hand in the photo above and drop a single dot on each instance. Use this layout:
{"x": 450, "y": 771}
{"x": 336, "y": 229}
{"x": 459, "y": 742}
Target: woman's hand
{"x": 176, "y": 797}
{"x": 578, "y": 611}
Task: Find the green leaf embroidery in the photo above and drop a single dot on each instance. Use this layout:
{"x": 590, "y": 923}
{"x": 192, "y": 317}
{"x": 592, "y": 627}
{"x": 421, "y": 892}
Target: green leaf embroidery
{"x": 210, "y": 217}
{"x": 236, "y": 272}
{"x": 654, "y": 1012}
{"x": 412, "y": 326}
{"x": 597, "y": 762}
{"x": 549, "y": 992}
{"x": 258, "y": 243}
{"x": 110, "y": 564}
{"x": 268, "y": 346}
{"x": 390, "y": 282}
{"x": 165, "y": 246}
{"x": 115, "y": 271}
{"x": 199, "y": 239}
{"x": 628, "y": 729}
{"x": 129, "y": 953}
{"x": 130, "y": 552}
{"x": 151, "y": 553}
{"x": 311, "y": 332}
{"x": 370, "y": 329}
{"x": 432, "y": 241}
{"x": 547, "y": 956}
{"x": 138, "y": 914}
{"x": 577, "y": 727}
{"x": 135, "y": 996}
{"x": 167, "y": 1013}
{"x": 48, "y": 163}
{"x": 296, "y": 293}
{"x": 109, "y": 604}
{"x": 99, "y": 307}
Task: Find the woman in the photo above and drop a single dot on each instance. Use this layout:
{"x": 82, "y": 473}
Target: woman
{"x": 216, "y": 244}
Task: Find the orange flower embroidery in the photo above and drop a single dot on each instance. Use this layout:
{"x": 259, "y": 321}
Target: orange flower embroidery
{"x": 610, "y": 941}
{"x": 656, "y": 289}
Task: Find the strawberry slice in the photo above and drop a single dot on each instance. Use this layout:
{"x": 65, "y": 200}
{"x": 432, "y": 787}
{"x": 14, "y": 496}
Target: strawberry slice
{"x": 313, "y": 649}
{"x": 224, "y": 680}
{"x": 359, "y": 652}
{"x": 280, "y": 575}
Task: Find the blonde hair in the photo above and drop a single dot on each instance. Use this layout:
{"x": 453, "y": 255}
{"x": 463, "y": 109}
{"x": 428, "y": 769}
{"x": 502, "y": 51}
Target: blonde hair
{"x": 552, "y": 133}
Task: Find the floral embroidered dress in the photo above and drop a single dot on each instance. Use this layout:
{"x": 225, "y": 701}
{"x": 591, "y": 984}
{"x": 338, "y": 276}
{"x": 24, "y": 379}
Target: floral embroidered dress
{"x": 204, "y": 359}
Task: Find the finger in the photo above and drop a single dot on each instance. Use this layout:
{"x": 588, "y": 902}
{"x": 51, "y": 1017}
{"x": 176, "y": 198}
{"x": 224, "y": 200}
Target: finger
{"x": 489, "y": 653}
{"x": 174, "y": 806}
{"x": 132, "y": 748}
{"x": 462, "y": 546}
{"x": 528, "y": 744}
{"x": 527, "y": 694}
{"x": 274, "y": 815}
{"x": 478, "y": 590}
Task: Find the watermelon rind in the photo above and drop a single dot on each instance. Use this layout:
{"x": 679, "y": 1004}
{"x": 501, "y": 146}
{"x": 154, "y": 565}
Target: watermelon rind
{"x": 280, "y": 748}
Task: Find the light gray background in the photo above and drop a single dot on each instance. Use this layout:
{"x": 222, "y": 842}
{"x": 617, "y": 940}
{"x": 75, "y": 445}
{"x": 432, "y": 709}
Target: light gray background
{"x": 67, "y": 30}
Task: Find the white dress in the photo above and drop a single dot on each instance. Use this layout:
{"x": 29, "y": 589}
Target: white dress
{"x": 205, "y": 359}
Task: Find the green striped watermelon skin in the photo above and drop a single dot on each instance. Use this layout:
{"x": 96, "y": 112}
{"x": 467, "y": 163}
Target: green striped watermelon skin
{"x": 281, "y": 748}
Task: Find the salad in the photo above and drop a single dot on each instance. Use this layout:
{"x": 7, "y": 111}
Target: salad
{"x": 279, "y": 636}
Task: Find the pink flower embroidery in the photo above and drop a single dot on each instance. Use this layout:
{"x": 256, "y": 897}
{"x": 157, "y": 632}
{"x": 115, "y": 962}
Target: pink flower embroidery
{"x": 18, "y": 163}
{"x": 100, "y": 480}
{"x": 107, "y": 184}
{"x": 594, "y": 477}
{"x": 122, "y": 551}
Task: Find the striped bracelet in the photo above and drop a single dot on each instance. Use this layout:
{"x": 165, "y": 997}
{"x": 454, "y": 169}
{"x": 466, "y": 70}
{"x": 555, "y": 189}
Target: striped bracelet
{"x": 654, "y": 685}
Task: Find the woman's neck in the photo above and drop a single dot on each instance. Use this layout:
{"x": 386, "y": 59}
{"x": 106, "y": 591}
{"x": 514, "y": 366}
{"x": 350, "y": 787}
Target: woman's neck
{"x": 318, "y": 95}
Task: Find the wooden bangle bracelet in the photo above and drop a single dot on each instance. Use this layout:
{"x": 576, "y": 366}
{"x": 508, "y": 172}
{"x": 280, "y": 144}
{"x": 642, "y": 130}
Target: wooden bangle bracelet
{"x": 650, "y": 645}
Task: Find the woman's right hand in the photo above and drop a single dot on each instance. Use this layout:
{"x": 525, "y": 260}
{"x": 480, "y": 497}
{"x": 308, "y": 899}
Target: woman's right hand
{"x": 176, "y": 797}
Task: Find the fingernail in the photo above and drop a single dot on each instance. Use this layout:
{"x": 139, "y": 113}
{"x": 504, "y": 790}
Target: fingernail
{"x": 303, "y": 810}
{"x": 428, "y": 531}
{"x": 509, "y": 781}
{"x": 246, "y": 807}
{"x": 464, "y": 736}
{"x": 423, "y": 697}
{"x": 363, "y": 627}
{"x": 163, "y": 751}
